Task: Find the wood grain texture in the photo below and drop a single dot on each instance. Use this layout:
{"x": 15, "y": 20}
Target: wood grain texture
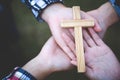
{"x": 79, "y": 41}
{"x": 83, "y": 23}
{"x": 77, "y": 23}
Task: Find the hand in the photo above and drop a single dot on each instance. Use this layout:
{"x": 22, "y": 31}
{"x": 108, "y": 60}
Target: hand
{"x": 53, "y": 15}
{"x": 49, "y": 60}
{"x": 105, "y": 16}
{"x": 54, "y": 56}
{"x": 101, "y": 63}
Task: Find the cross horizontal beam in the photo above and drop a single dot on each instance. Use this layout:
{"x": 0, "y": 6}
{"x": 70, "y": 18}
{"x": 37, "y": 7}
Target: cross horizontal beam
{"x": 77, "y": 23}
{"x": 72, "y": 23}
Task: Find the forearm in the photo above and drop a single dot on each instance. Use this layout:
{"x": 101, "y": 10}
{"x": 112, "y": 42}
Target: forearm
{"x": 37, "y": 68}
{"x": 51, "y": 11}
{"x": 107, "y": 14}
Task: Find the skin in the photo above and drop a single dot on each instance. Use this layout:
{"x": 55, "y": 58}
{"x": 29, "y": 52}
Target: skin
{"x": 53, "y": 15}
{"x": 105, "y": 15}
{"x": 51, "y": 59}
{"x": 98, "y": 64}
{"x": 57, "y": 12}
{"x": 101, "y": 63}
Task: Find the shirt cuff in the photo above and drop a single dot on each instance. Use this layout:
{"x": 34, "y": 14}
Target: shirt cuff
{"x": 37, "y": 6}
{"x": 19, "y": 74}
{"x": 116, "y": 6}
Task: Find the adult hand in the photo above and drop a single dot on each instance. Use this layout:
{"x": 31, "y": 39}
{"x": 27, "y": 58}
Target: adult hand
{"x": 49, "y": 60}
{"x": 105, "y": 16}
{"x": 53, "y": 15}
{"x": 101, "y": 63}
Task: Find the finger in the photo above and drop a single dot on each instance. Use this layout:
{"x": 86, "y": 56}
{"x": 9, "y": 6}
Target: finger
{"x": 67, "y": 50}
{"x": 69, "y": 42}
{"x": 56, "y": 31}
{"x": 72, "y": 32}
{"x": 70, "y": 35}
{"x": 68, "y": 32}
{"x": 97, "y": 27}
{"x": 88, "y": 38}
{"x": 95, "y": 36}
{"x": 85, "y": 46}
{"x": 74, "y": 63}
{"x": 64, "y": 47}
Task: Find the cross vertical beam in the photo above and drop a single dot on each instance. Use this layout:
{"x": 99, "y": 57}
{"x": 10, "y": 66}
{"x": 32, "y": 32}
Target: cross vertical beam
{"x": 79, "y": 41}
{"x": 77, "y": 23}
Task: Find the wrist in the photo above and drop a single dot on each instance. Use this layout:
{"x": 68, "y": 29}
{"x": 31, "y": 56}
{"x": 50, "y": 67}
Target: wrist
{"x": 38, "y": 68}
{"x": 38, "y": 6}
{"x": 51, "y": 11}
{"x": 19, "y": 74}
{"x": 107, "y": 14}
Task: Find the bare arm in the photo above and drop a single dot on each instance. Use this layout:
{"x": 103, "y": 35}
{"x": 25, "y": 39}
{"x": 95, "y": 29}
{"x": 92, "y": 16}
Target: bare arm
{"x": 105, "y": 16}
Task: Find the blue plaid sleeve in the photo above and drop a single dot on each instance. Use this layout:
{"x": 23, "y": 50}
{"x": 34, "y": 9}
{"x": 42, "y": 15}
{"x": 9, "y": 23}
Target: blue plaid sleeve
{"x": 37, "y": 6}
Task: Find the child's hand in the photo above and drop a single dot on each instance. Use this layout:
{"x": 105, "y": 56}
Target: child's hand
{"x": 101, "y": 63}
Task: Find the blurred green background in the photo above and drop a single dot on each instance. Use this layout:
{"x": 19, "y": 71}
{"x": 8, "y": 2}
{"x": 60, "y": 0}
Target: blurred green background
{"x": 32, "y": 36}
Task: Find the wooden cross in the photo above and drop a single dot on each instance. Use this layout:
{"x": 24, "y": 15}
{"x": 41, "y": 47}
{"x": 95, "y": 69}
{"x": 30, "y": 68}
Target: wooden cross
{"x": 77, "y": 23}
